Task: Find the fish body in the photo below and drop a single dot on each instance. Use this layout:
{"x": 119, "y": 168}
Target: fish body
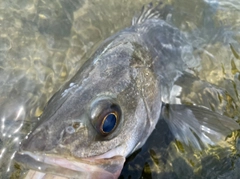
{"x": 111, "y": 106}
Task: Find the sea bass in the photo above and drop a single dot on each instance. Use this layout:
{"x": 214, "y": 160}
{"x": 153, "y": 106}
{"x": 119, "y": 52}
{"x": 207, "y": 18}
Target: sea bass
{"x": 111, "y": 106}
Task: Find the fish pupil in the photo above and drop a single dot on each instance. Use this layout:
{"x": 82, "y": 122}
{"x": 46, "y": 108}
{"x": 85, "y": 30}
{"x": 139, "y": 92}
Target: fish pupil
{"x": 109, "y": 123}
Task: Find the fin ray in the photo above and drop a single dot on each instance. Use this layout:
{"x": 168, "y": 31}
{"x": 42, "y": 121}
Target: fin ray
{"x": 148, "y": 12}
{"x": 197, "y": 126}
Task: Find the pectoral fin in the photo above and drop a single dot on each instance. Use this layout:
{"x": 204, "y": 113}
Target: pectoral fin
{"x": 197, "y": 125}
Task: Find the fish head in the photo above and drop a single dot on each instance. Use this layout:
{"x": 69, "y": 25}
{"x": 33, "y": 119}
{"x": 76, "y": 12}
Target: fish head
{"x": 108, "y": 109}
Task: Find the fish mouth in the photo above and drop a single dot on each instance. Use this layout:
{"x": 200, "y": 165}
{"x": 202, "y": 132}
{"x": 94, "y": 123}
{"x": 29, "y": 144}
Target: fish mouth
{"x": 92, "y": 167}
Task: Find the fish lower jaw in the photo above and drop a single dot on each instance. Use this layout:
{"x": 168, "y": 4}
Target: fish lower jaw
{"x": 92, "y": 167}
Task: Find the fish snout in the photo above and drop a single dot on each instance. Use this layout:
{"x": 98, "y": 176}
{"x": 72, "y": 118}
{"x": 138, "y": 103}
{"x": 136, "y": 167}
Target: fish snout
{"x": 36, "y": 141}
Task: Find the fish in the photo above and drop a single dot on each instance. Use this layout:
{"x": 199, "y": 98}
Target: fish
{"x": 111, "y": 106}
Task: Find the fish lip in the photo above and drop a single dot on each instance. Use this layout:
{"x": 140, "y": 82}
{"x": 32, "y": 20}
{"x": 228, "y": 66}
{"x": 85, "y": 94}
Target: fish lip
{"x": 91, "y": 166}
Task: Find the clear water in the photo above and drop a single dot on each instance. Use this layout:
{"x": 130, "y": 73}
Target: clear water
{"x": 43, "y": 43}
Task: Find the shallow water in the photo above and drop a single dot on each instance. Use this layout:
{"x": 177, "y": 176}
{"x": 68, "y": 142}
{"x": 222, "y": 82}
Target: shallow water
{"x": 43, "y": 43}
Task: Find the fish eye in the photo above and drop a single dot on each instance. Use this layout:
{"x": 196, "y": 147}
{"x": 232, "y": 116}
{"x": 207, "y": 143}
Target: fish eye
{"x": 108, "y": 123}
{"x": 105, "y": 116}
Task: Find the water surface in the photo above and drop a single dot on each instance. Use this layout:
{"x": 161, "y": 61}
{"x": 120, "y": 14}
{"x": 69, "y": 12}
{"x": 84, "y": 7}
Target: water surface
{"x": 43, "y": 44}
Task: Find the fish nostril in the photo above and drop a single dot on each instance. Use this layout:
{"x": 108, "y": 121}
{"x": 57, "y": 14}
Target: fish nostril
{"x": 70, "y": 129}
{"x": 76, "y": 125}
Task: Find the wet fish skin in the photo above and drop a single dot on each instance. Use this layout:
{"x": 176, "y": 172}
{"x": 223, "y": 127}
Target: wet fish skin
{"x": 135, "y": 70}
{"x": 111, "y": 75}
